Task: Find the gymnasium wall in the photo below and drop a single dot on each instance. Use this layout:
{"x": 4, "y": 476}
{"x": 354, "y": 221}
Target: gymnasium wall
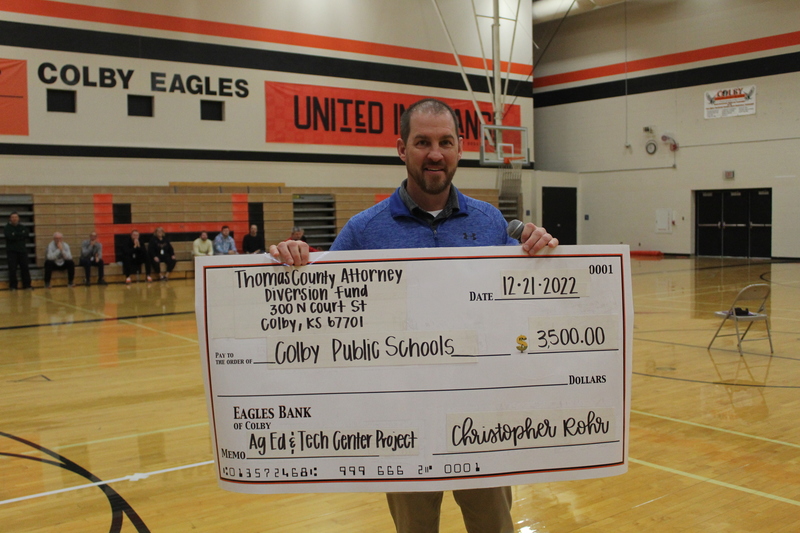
{"x": 183, "y": 211}
{"x": 610, "y": 73}
{"x": 310, "y": 90}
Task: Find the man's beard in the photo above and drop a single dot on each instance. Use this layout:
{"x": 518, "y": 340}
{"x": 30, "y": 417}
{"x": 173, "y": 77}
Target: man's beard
{"x": 432, "y": 186}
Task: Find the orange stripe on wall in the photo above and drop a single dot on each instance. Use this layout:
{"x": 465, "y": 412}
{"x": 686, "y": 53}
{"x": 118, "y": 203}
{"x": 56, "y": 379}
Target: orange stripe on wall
{"x": 13, "y": 97}
{"x": 680, "y": 58}
{"x": 121, "y": 17}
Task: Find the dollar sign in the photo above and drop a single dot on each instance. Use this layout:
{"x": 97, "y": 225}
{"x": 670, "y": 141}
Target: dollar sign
{"x": 521, "y": 344}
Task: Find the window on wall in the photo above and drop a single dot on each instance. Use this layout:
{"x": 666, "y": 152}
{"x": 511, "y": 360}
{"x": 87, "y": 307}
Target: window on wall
{"x": 61, "y": 101}
{"x": 212, "y": 110}
{"x": 140, "y": 106}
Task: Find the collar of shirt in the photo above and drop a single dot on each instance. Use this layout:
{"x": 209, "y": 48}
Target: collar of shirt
{"x": 452, "y": 205}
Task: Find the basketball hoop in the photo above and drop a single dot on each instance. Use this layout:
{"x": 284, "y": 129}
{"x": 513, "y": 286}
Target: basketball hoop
{"x": 504, "y": 146}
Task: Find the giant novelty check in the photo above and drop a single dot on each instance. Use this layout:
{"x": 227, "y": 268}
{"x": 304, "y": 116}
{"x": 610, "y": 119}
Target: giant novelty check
{"x": 416, "y": 370}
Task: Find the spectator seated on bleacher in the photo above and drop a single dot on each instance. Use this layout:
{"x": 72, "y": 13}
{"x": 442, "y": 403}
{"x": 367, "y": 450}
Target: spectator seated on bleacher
{"x": 253, "y": 243}
{"x": 161, "y": 253}
{"x": 134, "y": 255}
{"x": 59, "y": 257}
{"x": 92, "y": 256}
{"x": 202, "y": 246}
{"x": 223, "y": 243}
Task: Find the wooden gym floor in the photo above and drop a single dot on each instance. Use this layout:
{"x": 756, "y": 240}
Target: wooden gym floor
{"x": 103, "y": 423}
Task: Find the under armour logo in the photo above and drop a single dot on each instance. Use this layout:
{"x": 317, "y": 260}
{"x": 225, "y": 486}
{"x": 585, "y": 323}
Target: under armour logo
{"x": 468, "y": 236}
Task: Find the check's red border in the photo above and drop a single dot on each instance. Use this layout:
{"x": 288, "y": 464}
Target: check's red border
{"x": 625, "y": 370}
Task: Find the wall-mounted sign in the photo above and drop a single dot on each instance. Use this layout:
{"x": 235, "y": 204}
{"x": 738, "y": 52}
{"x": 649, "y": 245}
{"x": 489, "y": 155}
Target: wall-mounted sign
{"x": 109, "y": 78}
{"x": 312, "y": 114}
{"x": 730, "y": 102}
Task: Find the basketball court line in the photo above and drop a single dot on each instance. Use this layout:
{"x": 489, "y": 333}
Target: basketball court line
{"x": 95, "y": 320}
{"x": 133, "y": 436}
{"x": 94, "y": 365}
{"x": 713, "y": 482}
{"x": 132, "y": 477}
{"x": 195, "y": 341}
{"x": 706, "y": 348}
{"x": 728, "y": 431}
{"x": 94, "y": 356}
{"x": 708, "y": 382}
{"x": 123, "y": 321}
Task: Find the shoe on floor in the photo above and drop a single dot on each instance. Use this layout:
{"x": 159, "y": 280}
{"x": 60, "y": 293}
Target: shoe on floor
{"x": 102, "y": 282}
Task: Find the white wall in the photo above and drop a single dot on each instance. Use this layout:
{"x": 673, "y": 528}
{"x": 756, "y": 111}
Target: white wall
{"x": 602, "y": 140}
{"x": 382, "y": 33}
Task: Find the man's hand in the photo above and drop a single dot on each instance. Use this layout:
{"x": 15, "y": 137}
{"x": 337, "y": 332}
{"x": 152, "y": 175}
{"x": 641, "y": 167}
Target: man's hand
{"x": 535, "y": 238}
{"x": 231, "y": 252}
{"x": 294, "y": 253}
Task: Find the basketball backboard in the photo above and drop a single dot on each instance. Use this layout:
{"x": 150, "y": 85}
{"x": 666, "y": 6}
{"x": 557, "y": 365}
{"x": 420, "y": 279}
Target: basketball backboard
{"x": 503, "y": 145}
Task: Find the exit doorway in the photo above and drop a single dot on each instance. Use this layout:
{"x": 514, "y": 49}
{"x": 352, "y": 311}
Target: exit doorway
{"x": 734, "y": 223}
{"x": 560, "y": 213}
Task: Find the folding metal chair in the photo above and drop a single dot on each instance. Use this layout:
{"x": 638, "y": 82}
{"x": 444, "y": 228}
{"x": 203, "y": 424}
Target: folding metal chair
{"x": 751, "y": 297}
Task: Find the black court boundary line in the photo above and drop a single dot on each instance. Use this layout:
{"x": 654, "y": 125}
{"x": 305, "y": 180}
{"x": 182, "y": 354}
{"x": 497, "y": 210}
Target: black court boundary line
{"x": 89, "y": 321}
{"x": 119, "y": 506}
{"x": 765, "y": 262}
{"x": 704, "y": 347}
{"x": 718, "y": 382}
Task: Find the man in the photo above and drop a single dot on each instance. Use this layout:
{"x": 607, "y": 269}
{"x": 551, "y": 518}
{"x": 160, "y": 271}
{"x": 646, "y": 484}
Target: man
{"x": 92, "y": 256}
{"x": 59, "y": 257}
{"x": 134, "y": 255}
{"x": 161, "y": 253}
{"x": 17, "y": 237}
{"x": 223, "y": 243}
{"x": 428, "y": 211}
{"x": 253, "y": 243}
{"x": 298, "y": 234}
{"x": 202, "y": 246}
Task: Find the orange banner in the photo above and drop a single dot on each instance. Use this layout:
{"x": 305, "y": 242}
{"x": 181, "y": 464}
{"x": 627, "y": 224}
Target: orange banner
{"x": 311, "y": 114}
{"x": 13, "y": 97}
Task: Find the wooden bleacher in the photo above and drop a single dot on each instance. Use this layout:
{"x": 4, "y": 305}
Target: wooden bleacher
{"x": 183, "y": 209}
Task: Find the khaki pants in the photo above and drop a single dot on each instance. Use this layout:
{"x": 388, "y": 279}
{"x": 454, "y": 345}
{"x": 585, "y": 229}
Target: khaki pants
{"x": 484, "y": 510}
